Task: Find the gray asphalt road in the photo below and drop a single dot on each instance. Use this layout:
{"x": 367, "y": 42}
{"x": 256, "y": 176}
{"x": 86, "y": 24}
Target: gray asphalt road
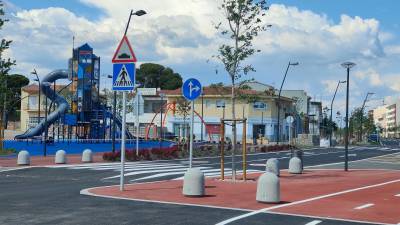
{"x": 51, "y": 195}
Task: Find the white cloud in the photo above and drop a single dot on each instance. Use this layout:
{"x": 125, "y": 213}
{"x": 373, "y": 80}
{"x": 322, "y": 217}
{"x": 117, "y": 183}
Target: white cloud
{"x": 373, "y": 77}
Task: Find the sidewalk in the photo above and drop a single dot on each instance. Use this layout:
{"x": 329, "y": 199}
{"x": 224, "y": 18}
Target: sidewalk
{"x": 321, "y": 193}
{"x": 49, "y": 160}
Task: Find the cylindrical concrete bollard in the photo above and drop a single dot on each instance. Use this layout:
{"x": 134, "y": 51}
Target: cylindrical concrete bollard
{"x": 268, "y": 188}
{"x": 87, "y": 156}
{"x": 61, "y": 157}
{"x": 23, "y": 158}
{"x": 272, "y": 166}
{"x": 295, "y": 166}
{"x": 193, "y": 183}
{"x": 299, "y": 154}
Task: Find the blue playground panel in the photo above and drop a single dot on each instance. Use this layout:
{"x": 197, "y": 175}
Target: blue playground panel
{"x": 77, "y": 147}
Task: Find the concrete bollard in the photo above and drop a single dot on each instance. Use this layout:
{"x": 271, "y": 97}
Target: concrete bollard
{"x": 272, "y": 166}
{"x": 193, "y": 183}
{"x": 61, "y": 157}
{"x": 268, "y": 188}
{"x": 87, "y": 156}
{"x": 23, "y": 158}
{"x": 295, "y": 166}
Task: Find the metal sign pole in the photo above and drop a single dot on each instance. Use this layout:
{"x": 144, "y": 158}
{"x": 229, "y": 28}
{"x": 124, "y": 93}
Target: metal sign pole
{"x": 123, "y": 137}
{"x": 137, "y": 123}
{"x": 191, "y": 135}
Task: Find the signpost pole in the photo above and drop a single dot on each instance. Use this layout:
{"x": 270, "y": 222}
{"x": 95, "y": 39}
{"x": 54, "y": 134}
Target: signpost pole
{"x": 191, "y": 135}
{"x": 137, "y": 122}
{"x": 122, "y": 182}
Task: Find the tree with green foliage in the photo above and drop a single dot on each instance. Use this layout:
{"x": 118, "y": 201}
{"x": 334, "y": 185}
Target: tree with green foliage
{"x": 152, "y": 75}
{"x": 358, "y": 119}
{"x": 242, "y": 23}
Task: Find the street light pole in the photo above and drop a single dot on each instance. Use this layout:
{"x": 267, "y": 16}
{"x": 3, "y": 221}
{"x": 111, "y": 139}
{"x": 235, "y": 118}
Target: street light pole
{"x": 362, "y": 115}
{"x": 38, "y": 80}
{"x": 331, "y": 123}
{"x": 279, "y": 98}
{"x": 347, "y": 65}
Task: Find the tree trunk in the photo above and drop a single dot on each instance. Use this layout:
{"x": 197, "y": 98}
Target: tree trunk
{"x": 233, "y": 131}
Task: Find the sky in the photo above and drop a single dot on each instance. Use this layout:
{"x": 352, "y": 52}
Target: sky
{"x": 318, "y": 34}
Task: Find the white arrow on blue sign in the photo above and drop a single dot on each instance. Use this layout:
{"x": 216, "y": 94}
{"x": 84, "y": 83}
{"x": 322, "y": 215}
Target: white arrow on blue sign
{"x": 191, "y": 89}
{"x": 123, "y": 76}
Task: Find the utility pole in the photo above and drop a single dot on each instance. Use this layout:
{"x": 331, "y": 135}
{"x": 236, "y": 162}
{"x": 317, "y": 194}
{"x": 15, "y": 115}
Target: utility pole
{"x": 331, "y": 122}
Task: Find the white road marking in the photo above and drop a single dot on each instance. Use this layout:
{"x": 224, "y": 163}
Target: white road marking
{"x": 314, "y": 222}
{"x": 303, "y": 201}
{"x": 364, "y": 206}
{"x": 350, "y": 155}
{"x": 398, "y": 195}
{"x": 151, "y": 171}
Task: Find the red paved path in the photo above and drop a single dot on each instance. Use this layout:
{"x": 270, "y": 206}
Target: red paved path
{"x": 293, "y": 188}
{"x": 49, "y": 160}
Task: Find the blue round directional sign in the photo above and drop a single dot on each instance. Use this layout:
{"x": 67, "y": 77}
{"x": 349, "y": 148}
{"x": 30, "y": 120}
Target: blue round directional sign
{"x": 191, "y": 89}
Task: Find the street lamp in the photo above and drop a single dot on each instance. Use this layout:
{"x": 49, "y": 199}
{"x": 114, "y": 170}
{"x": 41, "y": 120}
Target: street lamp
{"x": 38, "y": 80}
{"x": 279, "y": 97}
{"x": 114, "y": 117}
{"x": 347, "y": 65}
{"x": 362, "y": 115}
{"x": 162, "y": 95}
{"x": 137, "y": 13}
{"x": 46, "y": 131}
{"x": 331, "y": 123}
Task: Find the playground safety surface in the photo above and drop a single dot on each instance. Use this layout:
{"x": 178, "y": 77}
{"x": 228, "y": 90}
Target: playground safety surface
{"x": 357, "y": 195}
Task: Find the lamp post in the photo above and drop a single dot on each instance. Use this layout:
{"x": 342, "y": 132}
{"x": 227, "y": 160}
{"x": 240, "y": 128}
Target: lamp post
{"x": 113, "y": 117}
{"x": 362, "y": 115}
{"x": 122, "y": 178}
{"x": 279, "y": 98}
{"x": 38, "y": 80}
{"x": 331, "y": 123}
{"x": 162, "y": 95}
{"x": 347, "y": 65}
{"x": 202, "y": 114}
{"x": 46, "y": 131}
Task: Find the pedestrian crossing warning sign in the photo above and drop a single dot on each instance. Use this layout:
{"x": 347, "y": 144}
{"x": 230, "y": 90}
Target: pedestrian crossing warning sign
{"x": 123, "y": 77}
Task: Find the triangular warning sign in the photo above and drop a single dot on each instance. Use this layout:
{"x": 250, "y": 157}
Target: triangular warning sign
{"x": 124, "y": 52}
{"x": 123, "y": 78}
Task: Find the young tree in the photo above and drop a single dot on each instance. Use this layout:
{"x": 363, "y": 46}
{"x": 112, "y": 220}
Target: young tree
{"x": 242, "y": 23}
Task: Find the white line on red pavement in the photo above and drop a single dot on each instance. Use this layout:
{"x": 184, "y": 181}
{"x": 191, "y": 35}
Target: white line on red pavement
{"x": 364, "y": 206}
{"x": 398, "y": 195}
{"x": 303, "y": 201}
{"x": 314, "y": 222}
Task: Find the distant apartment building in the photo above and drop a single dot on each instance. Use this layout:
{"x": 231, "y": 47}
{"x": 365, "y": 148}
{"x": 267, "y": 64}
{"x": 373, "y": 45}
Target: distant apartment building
{"x": 315, "y": 117}
{"x": 387, "y": 119}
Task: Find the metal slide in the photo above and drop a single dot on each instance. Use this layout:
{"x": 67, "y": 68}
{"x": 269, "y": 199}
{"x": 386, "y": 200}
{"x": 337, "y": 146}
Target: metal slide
{"x": 118, "y": 122}
{"x": 62, "y": 104}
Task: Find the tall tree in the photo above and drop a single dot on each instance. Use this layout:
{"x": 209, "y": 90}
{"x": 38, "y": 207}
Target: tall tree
{"x": 358, "y": 119}
{"x": 5, "y": 67}
{"x": 242, "y": 23}
{"x": 157, "y": 76}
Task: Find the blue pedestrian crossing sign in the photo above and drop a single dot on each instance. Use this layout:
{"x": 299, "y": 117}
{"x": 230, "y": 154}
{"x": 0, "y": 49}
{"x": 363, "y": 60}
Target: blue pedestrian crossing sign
{"x": 123, "y": 76}
{"x": 191, "y": 89}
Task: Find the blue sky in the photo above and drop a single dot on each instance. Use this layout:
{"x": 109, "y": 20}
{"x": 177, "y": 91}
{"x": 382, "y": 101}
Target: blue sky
{"x": 318, "y": 34}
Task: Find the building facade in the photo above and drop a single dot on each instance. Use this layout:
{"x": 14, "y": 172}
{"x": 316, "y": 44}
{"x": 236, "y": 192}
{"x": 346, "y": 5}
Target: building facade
{"x": 386, "y": 119}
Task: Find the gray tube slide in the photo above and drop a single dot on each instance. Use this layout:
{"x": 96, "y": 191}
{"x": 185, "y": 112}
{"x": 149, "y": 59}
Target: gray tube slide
{"x": 62, "y": 104}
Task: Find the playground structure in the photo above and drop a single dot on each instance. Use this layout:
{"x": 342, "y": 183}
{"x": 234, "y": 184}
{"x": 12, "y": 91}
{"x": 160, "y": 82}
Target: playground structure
{"x": 85, "y": 115}
{"x": 244, "y": 147}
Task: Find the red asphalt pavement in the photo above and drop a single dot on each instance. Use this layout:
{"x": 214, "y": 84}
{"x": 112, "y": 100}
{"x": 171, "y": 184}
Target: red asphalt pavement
{"x": 311, "y": 184}
{"x": 49, "y": 160}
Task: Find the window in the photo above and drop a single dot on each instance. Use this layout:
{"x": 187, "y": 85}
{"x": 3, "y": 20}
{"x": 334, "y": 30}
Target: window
{"x": 220, "y": 103}
{"x": 208, "y": 103}
{"x": 32, "y": 102}
{"x": 259, "y": 105}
